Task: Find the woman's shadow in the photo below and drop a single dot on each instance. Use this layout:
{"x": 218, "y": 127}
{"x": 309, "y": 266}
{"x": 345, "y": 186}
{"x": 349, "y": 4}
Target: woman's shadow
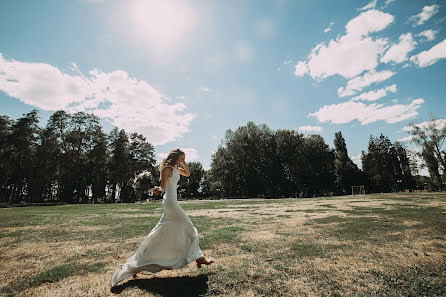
{"x": 192, "y": 286}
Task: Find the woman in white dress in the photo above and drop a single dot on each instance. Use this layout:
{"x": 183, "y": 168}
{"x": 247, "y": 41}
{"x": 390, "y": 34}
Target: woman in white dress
{"x": 173, "y": 242}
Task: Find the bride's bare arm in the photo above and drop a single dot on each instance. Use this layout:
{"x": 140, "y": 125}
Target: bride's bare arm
{"x": 165, "y": 174}
{"x": 184, "y": 171}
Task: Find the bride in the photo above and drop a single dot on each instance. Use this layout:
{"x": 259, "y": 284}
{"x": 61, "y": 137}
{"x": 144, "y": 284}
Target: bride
{"x": 173, "y": 242}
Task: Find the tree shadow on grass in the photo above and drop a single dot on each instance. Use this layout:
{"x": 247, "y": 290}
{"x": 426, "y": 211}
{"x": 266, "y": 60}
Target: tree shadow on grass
{"x": 192, "y": 286}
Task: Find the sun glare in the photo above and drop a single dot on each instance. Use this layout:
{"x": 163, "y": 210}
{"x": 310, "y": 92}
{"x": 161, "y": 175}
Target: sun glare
{"x": 164, "y": 24}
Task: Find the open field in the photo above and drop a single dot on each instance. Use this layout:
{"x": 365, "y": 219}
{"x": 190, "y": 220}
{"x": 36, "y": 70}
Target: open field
{"x": 372, "y": 245}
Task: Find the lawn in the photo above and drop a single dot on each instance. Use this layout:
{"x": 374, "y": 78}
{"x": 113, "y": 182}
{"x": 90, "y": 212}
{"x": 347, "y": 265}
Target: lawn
{"x": 369, "y": 245}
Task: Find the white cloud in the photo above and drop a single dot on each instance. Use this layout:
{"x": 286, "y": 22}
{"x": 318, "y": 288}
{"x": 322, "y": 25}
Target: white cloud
{"x": 375, "y": 95}
{"x": 328, "y": 29}
{"x": 391, "y": 88}
{"x": 398, "y": 51}
{"x": 357, "y": 160}
{"x": 360, "y": 82}
{"x": 439, "y": 124}
{"x": 311, "y": 129}
{"x": 180, "y": 97}
{"x": 404, "y": 139}
{"x": 424, "y": 15}
{"x": 431, "y": 56}
{"x": 126, "y": 102}
{"x": 428, "y": 34}
{"x": 348, "y": 111}
{"x": 387, "y": 3}
{"x": 300, "y": 69}
{"x": 161, "y": 156}
{"x": 191, "y": 155}
{"x": 371, "y": 5}
{"x": 287, "y": 62}
{"x": 41, "y": 85}
{"x": 352, "y": 53}
{"x": 205, "y": 89}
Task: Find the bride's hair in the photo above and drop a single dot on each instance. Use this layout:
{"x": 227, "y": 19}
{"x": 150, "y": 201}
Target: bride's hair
{"x": 172, "y": 158}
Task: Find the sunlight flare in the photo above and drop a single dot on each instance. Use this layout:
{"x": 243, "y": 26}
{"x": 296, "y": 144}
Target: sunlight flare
{"x": 164, "y": 24}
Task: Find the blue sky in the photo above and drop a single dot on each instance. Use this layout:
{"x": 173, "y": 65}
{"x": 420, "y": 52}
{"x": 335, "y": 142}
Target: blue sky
{"x": 182, "y": 72}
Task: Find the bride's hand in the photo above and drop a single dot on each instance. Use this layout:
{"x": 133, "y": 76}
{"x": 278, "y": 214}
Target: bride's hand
{"x": 157, "y": 190}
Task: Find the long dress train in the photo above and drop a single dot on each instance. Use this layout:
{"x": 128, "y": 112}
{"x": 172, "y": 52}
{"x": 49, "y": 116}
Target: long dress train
{"x": 172, "y": 243}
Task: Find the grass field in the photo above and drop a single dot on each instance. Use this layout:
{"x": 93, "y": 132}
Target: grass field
{"x": 372, "y": 245}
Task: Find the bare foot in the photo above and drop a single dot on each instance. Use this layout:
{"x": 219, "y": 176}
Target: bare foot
{"x": 203, "y": 260}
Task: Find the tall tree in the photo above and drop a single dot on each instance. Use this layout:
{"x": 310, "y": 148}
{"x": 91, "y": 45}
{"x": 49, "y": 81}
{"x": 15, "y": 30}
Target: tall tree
{"x": 142, "y": 154}
{"x": 70, "y": 160}
{"x": 432, "y": 166}
{"x": 319, "y": 168}
{"x": 290, "y": 147}
{"x": 205, "y": 185}
{"x": 222, "y": 180}
{"x": 384, "y": 166}
{"x": 5, "y": 154}
{"x": 141, "y": 158}
{"x": 347, "y": 173}
{"x": 405, "y": 171}
{"x": 431, "y": 137}
{"x": 83, "y": 126}
{"x": 46, "y": 165}
{"x": 243, "y": 163}
{"x": 97, "y": 164}
{"x": 254, "y": 161}
{"x": 142, "y": 185}
{"x": 119, "y": 165}
{"x": 189, "y": 187}
{"x": 22, "y": 141}
{"x": 75, "y": 137}
{"x": 59, "y": 125}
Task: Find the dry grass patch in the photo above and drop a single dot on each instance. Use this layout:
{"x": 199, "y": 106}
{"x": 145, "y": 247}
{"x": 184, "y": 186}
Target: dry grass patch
{"x": 373, "y": 245}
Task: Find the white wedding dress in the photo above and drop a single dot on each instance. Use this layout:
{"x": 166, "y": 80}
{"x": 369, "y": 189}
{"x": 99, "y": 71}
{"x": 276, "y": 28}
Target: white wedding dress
{"x": 172, "y": 243}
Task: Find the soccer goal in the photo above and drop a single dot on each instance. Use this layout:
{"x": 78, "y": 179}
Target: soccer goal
{"x": 358, "y": 190}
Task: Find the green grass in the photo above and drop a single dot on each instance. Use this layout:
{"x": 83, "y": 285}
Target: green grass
{"x": 65, "y": 270}
{"x": 88, "y": 254}
{"x": 11, "y": 234}
{"x": 307, "y": 249}
{"x": 374, "y": 224}
{"x": 220, "y": 235}
{"x": 329, "y": 220}
{"x": 328, "y": 205}
{"x": 54, "y": 274}
{"x": 252, "y": 248}
{"x": 315, "y": 210}
{"x": 417, "y": 280}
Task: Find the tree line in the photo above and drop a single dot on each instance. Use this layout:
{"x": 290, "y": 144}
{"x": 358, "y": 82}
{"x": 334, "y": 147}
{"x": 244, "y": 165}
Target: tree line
{"x": 72, "y": 160}
{"x": 254, "y": 161}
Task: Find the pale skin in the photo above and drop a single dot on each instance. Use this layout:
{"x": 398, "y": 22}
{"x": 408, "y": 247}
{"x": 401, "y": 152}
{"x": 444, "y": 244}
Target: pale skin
{"x": 165, "y": 175}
